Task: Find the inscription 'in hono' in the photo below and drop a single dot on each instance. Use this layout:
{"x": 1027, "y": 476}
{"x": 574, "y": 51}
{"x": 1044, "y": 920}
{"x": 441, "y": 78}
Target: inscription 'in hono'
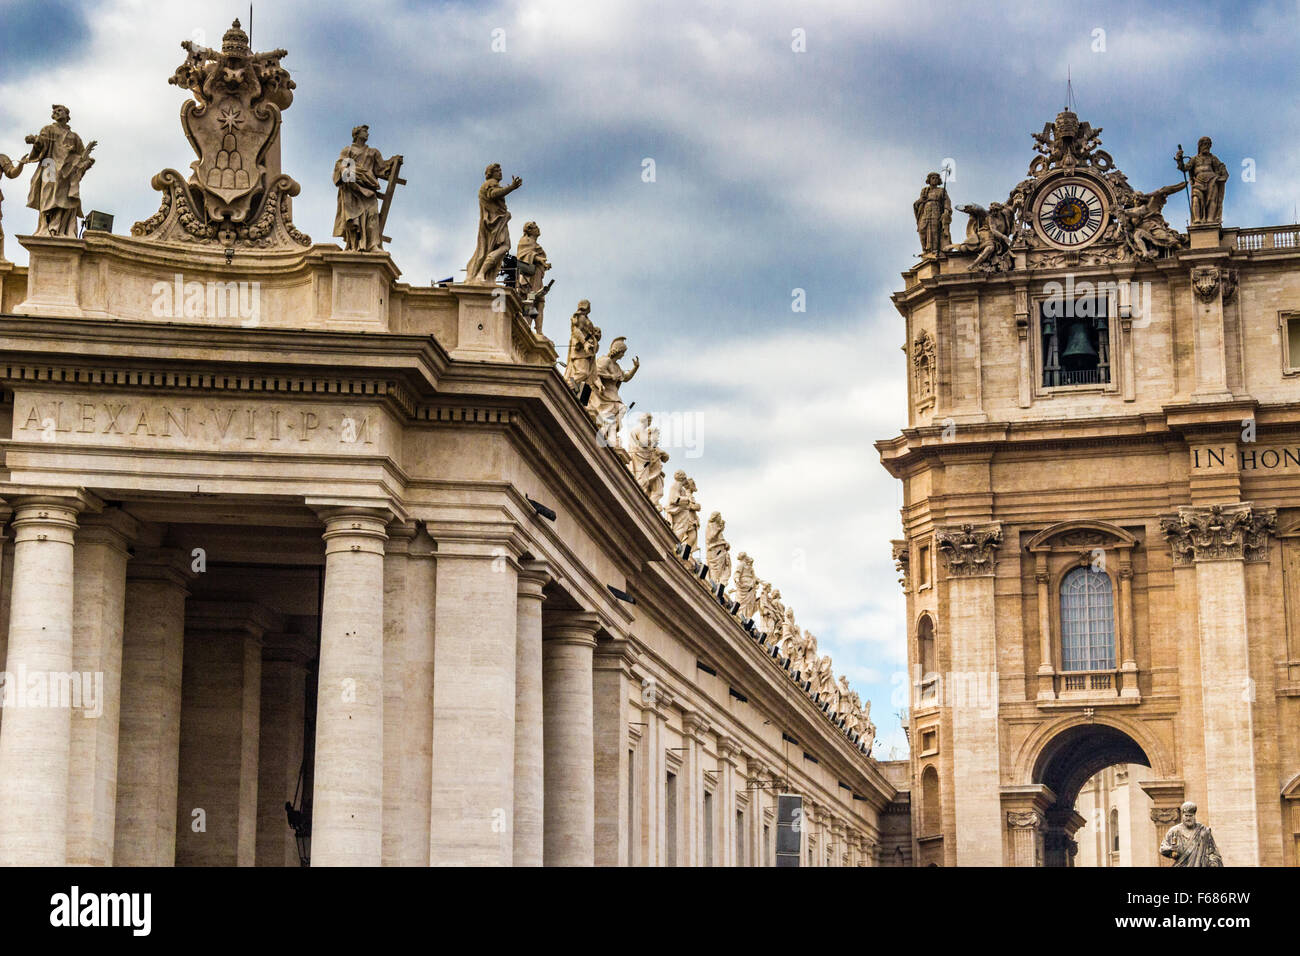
{"x": 251, "y": 423}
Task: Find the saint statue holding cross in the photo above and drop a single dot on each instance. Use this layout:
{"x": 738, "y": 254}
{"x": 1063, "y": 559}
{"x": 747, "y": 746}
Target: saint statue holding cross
{"x": 360, "y": 218}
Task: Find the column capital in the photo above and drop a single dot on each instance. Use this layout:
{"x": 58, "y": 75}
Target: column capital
{"x": 695, "y": 724}
{"x": 355, "y": 529}
{"x": 1229, "y": 532}
{"x": 247, "y": 617}
{"x": 617, "y": 652}
{"x": 756, "y": 769}
{"x": 112, "y": 526}
{"x": 75, "y": 499}
{"x": 570, "y": 627}
{"x": 728, "y": 749}
{"x": 1165, "y": 816}
{"x": 969, "y": 550}
{"x": 1025, "y": 820}
{"x": 165, "y": 565}
{"x": 1164, "y": 793}
{"x": 533, "y": 578}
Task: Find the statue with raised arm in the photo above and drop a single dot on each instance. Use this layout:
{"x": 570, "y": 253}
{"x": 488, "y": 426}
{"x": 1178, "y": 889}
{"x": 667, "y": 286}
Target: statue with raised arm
{"x": 584, "y": 343}
{"x": 10, "y": 170}
{"x": 1142, "y": 226}
{"x": 493, "y": 228}
{"x": 866, "y": 728}
{"x": 716, "y": 549}
{"x": 648, "y": 458}
{"x": 988, "y": 233}
{"x": 609, "y": 376}
{"x": 933, "y": 212}
{"x": 356, "y": 174}
{"x": 1209, "y": 178}
{"x": 533, "y": 266}
{"x": 1189, "y": 843}
{"x": 745, "y": 582}
{"x": 773, "y": 613}
{"x": 61, "y": 160}
{"x": 792, "y": 638}
{"x": 683, "y": 511}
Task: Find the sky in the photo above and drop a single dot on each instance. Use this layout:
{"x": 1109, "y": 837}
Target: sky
{"x": 699, "y": 169}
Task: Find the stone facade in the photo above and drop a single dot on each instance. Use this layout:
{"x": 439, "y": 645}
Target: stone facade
{"x": 1146, "y": 454}
{"x": 315, "y": 536}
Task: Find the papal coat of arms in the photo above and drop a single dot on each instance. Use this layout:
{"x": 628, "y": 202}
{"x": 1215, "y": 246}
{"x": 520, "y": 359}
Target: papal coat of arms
{"x": 231, "y": 197}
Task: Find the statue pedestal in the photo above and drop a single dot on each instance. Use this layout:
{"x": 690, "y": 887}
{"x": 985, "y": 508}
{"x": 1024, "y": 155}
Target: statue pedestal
{"x": 1204, "y": 236}
{"x": 53, "y": 276}
{"x": 359, "y": 290}
{"x": 483, "y": 323}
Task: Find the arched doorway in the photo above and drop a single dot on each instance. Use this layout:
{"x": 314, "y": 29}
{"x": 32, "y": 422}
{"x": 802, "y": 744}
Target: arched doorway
{"x": 1069, "y": 761}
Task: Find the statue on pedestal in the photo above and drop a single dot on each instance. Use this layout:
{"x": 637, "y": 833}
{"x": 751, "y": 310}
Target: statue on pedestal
{"x": 357, "y": 173}
{"x": 1142, "y": 227}
{"x": 493, "y": 227}
{"x": 866, "y": 728}
{"x": 648, "y": 459}
{"x": 933, "y": 212}
{"x": 746, "y": 586}
{"x": 533, "y": 266}
{"x": 1189, "y": 843}
{"x": 717, "y": 550}
{"x": 683, "y": 511}
{"x": 11, "y": 170}
{"x": 609, "y": 376}
{"x": 61, "y": 161}
{"x": 584, "y": 343}
{"x": 773, "y": 611}
{"x": 1209, "y": 178}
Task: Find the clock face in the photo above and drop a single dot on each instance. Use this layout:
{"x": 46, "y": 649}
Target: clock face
{"x": 1071, "y": 214}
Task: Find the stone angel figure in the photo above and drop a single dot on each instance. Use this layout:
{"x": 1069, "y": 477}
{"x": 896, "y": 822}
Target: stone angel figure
{"x": 988, "y": 232}
{"x": 1142, "y": 225}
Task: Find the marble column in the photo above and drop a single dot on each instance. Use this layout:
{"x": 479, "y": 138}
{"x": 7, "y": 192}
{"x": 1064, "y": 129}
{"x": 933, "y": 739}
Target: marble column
{"x": 694, "y": 726}
{"x": 568, "y": 643}
{"x": 148, "y": 753}
{"x": 221, "y": 702}
{"x": 347, "y": 806}
{"x": 99, "y": 569}
{"x": 529, "y": 743}
{"x": 756, "y": 773}
{"x": 281, "y": 743}
{"x": 613, "y": 739}
{"x": 725, "y": 853}
{"x": 655, "y": 703}
{"x": 410, "y": 585}
{"x": 969, "y": 557}
{"x": 476, "y": 631}
{"x": 36, "y": 736}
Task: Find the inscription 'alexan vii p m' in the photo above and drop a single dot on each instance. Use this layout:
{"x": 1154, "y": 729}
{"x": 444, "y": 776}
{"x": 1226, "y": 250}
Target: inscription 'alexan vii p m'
{"x": 192, "y": 425}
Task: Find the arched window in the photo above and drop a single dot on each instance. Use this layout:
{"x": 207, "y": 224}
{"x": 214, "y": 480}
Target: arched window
{"x": 930, "y": 816}
{"x": 1114, "y": 830}
{"x": 925, "y": 657}
{"x": 1087, "y": 621}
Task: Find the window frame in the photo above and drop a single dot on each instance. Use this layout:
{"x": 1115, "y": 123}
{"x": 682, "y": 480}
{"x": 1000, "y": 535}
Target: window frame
{"x": 1112, "y": 344}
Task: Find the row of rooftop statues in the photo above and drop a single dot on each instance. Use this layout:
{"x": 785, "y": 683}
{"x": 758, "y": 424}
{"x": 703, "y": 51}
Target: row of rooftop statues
{"x": 1137, "y": 224}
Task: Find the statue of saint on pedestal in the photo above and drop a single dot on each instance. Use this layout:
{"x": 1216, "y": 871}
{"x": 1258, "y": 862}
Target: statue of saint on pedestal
{"x": 717, "y": 552}
{"x": 493, "y": 228}
{"x": 933, "y": 212}
{"x": 1209, "y": 177}
{"x": 584, "y": 343}
{"x": 683, "y": 511}
{"x": 1189, "y": 843}
{"x": 609, "y": 376}
{"x": 648, "y": 458}
{"x": 746, "y": 586}
{"x": 11, "y": 170}
{"x": 357, "y": 173}
{"x": 533, "y": 266}
{"x": 61, "y": 160}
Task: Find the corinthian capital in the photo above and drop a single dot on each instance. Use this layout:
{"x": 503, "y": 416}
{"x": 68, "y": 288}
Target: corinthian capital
{"x": 1232, "y": 532}
{"x": 969, "y": 551}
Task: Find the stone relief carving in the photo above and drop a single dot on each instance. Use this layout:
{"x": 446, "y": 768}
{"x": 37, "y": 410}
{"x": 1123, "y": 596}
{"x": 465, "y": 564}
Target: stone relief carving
{"x": 902, "y": 552}
{"x": 923, "y": 352}
{"x": 1068, "y": 143}
{"x": 1219, "y": 533}
{"x": 61, "y": 161}
{"x": 1209, "y": 178}
{"x": 493, "y": 228}
{"x": 968, "y": 551}
{"x": 234, "y": 118}
{"x": 1024, "y": 819}
{"x": 1208, "y": 280}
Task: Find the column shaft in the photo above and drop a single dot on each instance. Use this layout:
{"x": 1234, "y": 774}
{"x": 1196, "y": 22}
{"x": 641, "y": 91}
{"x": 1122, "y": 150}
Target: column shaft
{"x": 568, "y": 641}
{"x": 529, "y": 717}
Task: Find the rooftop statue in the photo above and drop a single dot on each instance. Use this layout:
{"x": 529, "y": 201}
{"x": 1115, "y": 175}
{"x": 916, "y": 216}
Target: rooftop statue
{"x": 866, "y": 728}
{"x": 746, "y": 586}
{"x": 232, "y": 196}
{"x": 12, "y": 170}
{"x": 358, "y": 219}
{"x": 609, "y": 377}
{"x": 493, "y": 227}
{"x": 61, "y": 160}
{"x": 1142, "y": 227}
{"x": 1209, "y": 178}
{"x": 793, "y": 640}
{"x": 988, "y": 231}
{"x": 584, "y": 343}
{"x": 1189, "y": 843}
{"x": 648, "y": 458}
{"x": 1068, "y": 143}
{"x": 533, "y": 266}
{"x": 933, "y": 212}
{"x": 717, "y": 550}
{"x": 683, "y": 511}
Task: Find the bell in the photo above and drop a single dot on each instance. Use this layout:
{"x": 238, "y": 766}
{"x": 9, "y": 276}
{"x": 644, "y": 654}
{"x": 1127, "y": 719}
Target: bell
{"x": 1079, "y": 353}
